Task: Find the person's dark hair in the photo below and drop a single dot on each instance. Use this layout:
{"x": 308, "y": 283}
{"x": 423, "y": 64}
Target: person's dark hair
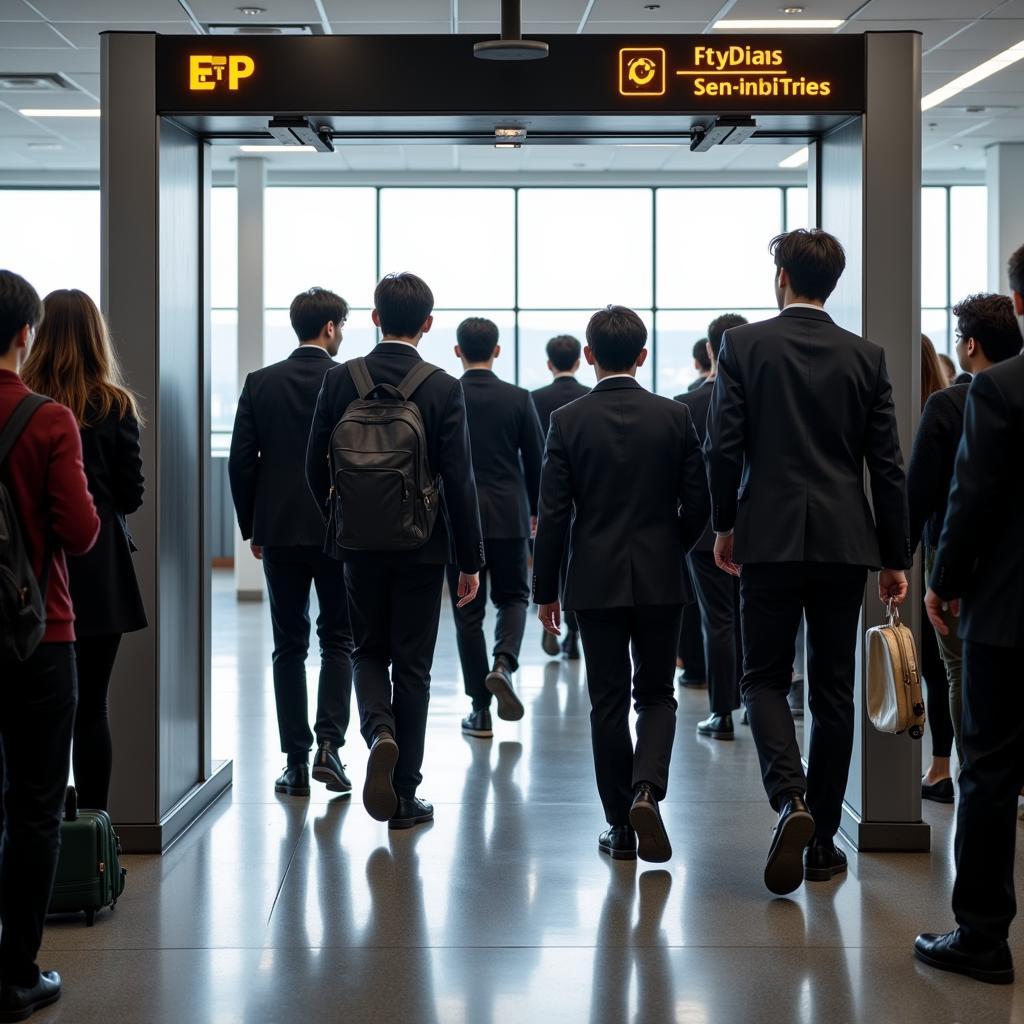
{"x": 932, "y": 377}
{"x": 947, "y": 364}
{"x": 718, "y": 327}
{"x": 1016, "y": 271}
{"x": 312, "y": 310}
{"x": 617, "y": 336}
{"x": 990, "y": 320}
{"x": 564, "y": 352}
{"x": 813, "y": 259}
{"x": 403, "y": 303}
{"x": 477, "y": 337}
{"x": 19, "y": 305}
{"x": 700, "y": 354}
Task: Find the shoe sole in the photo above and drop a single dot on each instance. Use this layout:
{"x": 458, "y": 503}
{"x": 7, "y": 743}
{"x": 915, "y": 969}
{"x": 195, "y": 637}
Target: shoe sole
{"x": 27, "y": 1011}
{"x": 616, "y": 854}
{"x": 550, "y": 646}
{"x": 332, "y": 781}
{"x": 379, "y": 796}
{"x": 989, "y": 977}
{"x": 510, "y": 707}
{"x": 785, "y": 868}
{"x": 292, "y": 790}
{"x": 716, "y": 735}
{"x": 652, "y": 842}
{"x": 395, "y": 824}
{"x": 823, "y": 874}
{"x": 480, "y": 734}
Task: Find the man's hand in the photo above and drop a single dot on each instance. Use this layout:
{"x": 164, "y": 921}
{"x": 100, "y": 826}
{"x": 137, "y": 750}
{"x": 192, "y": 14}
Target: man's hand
{"x": 935, "y": 607}
{"x": 723, "y": 555}
{"x": 469, "y": 584}
{"x": 550, "y": 616}
{"x": 892, "y": 586}
{"x": 533, "y": 527}
{"x": 257, "y": 551}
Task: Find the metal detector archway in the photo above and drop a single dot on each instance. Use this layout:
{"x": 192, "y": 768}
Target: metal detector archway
{"x": 166, "y": 99}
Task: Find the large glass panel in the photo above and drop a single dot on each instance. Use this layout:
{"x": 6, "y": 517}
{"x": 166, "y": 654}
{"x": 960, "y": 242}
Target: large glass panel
{"x": 968, "y": 255}
{"x": 584, "y": 247}
{"x": 438, "y": 346}
{"x": 713, "y": 246}
{"x": 224, "y": 384}
{"x": 224, "y": 248}
{"x": 537, "y": 328}
{"x": 324, "y": 236}
{"x": 51, "y": 237}
{"x": 459, "y": 240}
{"x": 935, "y": 323}
{"x": 933, "y": 247}
{"x": 358, "y": 336}
{"x": 797, "y": 212}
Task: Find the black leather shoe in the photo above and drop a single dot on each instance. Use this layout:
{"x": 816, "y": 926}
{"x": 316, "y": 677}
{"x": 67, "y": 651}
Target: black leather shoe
{"x": 784, "y": 870}
{"x": 379, "y": 796}
{"x": 690, "y": 683}
{"x": 823, "y": 860}
{"x": 619, "y": 842}
{"x": 411, "y": 811}
{"x": 550, "y": 644}
{"x": 478, "y": 724}
{"x": 952, "y": 952}
{"x": 941, "y": 792}
{"x": 571, "y": 646}
{"x": 329, "y": 770}
{"x": 718, "y": 727}
{"x": 294, "y": 781}
{"x": 499, "y": 682}
{"x": 645, "y": 817}
{"x": 17, "y": 1003}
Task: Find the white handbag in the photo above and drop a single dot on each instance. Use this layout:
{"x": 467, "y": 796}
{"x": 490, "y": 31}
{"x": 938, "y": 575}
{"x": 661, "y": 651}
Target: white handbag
{"x": 895, "y": 700}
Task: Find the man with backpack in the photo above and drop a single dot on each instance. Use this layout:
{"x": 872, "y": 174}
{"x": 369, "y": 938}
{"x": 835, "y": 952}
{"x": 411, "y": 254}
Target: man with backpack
{"x": 45, "y": 511}
{"x": 389, "y": 464}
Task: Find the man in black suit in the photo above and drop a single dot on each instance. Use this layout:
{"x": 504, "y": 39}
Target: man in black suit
{"x": 563, "y": 352}
{"x": 395, "y": 596}
{"x": 799, "y": 407}
{"x": 276, "y": 513}
{"x": 977, "y": 575}
{"x": 717, "y": 592}
{"x": 624, "y": 468}
{"x": 507, "y": 448}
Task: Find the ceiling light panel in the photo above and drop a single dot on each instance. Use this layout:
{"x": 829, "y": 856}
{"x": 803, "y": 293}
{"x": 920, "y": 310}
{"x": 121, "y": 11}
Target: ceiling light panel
{"x": 1000, "y": 62}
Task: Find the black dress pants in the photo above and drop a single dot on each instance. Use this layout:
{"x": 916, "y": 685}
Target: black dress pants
{"x": 290, "y": 572}
{"x": 37, "y": 712}
{"x": 717, "y": 600}
{"x": 772, "y": 598}
{"x": 608, "y": 635}
{"x": 395, "y": 612}
{"x": 92, "y": 752}
{"x": 507, "y": 576}
{"x": 991, "y": 776}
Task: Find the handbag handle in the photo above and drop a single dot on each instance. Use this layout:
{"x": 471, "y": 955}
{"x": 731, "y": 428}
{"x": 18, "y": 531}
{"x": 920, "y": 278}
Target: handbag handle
{"x": 894, "y": 613}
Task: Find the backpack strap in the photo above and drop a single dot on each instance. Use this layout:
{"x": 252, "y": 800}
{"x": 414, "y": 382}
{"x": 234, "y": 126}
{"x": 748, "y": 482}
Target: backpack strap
{"x": 18, "y": 421}
{"x": 415, "y": 377}
{"x": 361, "y": 377}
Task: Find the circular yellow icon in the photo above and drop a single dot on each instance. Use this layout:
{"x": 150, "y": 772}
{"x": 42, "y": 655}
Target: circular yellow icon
{"x": 642, "y": 70}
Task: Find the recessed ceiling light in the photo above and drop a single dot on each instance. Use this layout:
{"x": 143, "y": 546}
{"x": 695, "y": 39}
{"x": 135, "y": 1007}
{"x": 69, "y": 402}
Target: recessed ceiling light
{"x": 786, "y": 24}
{"x": 791, "y": 10}
{"x": 251, "y": 11}
{"x": 797, "y": 159}
{"x": 55, "y": 112}
{"x": 277, "y": 149}
{"x": 975, "y": 75}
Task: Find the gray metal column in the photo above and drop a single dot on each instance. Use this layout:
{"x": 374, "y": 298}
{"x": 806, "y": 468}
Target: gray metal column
{"x": 154, "y": 233}
{"x": 1004, "y": 173}
{"x": 869, "y": 177}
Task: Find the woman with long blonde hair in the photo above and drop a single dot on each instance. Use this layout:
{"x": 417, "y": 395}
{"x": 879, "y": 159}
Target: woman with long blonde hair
{"x": 74, "y": 363}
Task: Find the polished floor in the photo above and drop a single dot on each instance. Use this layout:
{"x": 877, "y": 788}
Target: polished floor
{"x": 275, "y": 909}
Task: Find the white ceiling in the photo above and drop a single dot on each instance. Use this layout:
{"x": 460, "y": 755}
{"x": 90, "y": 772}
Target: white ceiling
{"x": 62, "y": 36}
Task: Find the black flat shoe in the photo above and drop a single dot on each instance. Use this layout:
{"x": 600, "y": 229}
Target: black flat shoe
{"x": 379, "y": 796}
{"x": 690, "y": 683}
{"x": 329, "y": 770}
{"x": 411, "y": 811}
{"x": 940, "y": 792}
{"x": 478, "y": 724}
{"x": 571, "y": 647}
{"x": 294, "y": 781}
{"x": 499, "y": 682}
{"x": 823, "y": 860}
{"x": 951, "y": 952}
{"x": 17, "y": 1003}
{"x": 718, "y": 727}
{"x": 652, "y": 840}
{"x": 784, "y": 869}
{"x": 549, "y": 642}
{"x": 619, "y": 842}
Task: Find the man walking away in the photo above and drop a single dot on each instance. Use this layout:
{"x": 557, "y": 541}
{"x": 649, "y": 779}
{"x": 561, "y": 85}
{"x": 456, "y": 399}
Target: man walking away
{"x": 799, "y": 407}
{"x": 276, "y": 512}
{"x": 395, "y": 592}
{"x": 507, "y": 447}
{"x": 625, "y": 468}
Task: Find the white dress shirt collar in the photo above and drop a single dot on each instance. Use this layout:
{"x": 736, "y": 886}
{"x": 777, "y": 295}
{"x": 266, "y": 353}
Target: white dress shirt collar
{"x": 804, "y": 305}
{"x": 397, "y": 341}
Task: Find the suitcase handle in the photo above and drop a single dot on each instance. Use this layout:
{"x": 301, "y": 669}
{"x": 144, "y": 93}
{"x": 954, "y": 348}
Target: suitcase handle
{"x": 894, "y": 613}
{"x": 71, "y": 804}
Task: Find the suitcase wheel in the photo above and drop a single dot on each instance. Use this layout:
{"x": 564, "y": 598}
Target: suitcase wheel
{"x": 90, "y": 918}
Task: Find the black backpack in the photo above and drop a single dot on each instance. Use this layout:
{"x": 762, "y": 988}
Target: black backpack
{"x": 22, "y": 597}
{"x": 383, "y": 494}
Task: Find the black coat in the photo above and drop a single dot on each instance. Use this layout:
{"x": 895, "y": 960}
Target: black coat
{"x": 268, "y": 451}
{"x": 103, "y": 585}
{"x": 980, "y": 557}
{"x": 457, "y": 537}
{"x": 507, "y": 449}
{"x": 561, "y": 391}
{"x": 698, "y": 401}
{"x": 625, "y": 467}
{"x": 799, "y": 407}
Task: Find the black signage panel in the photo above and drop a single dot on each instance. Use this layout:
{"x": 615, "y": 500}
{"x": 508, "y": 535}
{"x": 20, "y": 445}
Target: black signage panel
{"x": 425, "y": 75}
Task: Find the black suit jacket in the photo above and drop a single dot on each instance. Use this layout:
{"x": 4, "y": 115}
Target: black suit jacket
{"x": 798, "y": 408}
{"x": 561, "y": 391}
{"x": 457, "y": 537}
{"x": 698, "y": 401}
{"x": 268, "y": 451}
{"x": 507, "y": 449}
{"x": 103, "y": 585}
{"x": 981, "y": 553}
{"x": 625, "y": 468}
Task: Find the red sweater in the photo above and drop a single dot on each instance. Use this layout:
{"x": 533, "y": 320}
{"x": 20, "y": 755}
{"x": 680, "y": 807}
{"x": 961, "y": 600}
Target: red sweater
{"x": 46, "y": 479}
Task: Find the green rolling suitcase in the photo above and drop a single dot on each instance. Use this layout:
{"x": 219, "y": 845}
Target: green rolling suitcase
{"x": 89, "y": 872}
